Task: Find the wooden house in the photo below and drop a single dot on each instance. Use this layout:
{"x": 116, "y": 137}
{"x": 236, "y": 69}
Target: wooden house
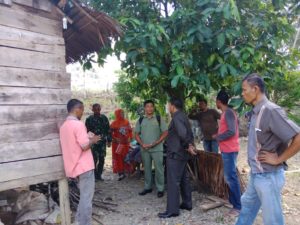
{"x": 34, "y": 85}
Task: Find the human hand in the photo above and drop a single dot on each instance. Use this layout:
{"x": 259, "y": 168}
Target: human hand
{"x": 192, "y": 150}
{"x": 269, "y": 158}
{"x": 214, "y": 136}
{"x": 95, "y": 139}
{"x": 91, "y": 134}
{"x": 146, "y": 146}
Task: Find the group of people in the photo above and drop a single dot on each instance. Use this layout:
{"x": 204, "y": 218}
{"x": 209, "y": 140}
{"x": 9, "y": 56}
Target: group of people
{"x": 273, "y": 139}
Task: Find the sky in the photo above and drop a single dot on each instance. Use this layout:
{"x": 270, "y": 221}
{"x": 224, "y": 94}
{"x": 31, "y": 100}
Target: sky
{"x": 96, "y": 79}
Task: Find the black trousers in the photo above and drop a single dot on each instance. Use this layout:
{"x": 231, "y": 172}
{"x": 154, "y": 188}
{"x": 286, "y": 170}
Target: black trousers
{"x": 99, "y": 160}
{"x": 178, "y": 184}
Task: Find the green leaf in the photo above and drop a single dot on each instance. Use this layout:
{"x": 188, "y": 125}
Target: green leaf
{"x": 207, "y": 11}
{"x": 232, "y": 70}
{"x": 221, "y": 40}
{"x": 144, "y": 74}
{"x": 153, "y": 41}
{"x": 192, "y": 31}
{"x": 226, "y": 11}
{"x": 179, "y": 70}
{"x": 211, "y": 59}
{"x": 223, "y": 70}
{"x": 175, "y": 81}
{"x": 155, "y": 71}
{"x": 132, "y": 55}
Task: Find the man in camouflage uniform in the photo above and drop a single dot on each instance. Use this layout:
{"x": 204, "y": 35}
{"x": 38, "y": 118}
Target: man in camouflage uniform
{"x": 99, "y": 125}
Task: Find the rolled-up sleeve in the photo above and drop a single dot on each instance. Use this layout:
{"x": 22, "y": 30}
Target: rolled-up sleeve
{"x": 282, "y": 126}
{"x": 81, "y": 135}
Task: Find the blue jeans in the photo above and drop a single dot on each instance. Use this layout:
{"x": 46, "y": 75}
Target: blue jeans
{"x": 231, "y": 178}
{"x": 264, "y": 190}
{"x": 211, "y": 146}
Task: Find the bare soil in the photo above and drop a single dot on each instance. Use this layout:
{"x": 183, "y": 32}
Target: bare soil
{"x": 133, "y": 209}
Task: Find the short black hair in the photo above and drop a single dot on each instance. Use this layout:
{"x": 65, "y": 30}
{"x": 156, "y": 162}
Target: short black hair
{"x": 202, "y": 100}
{"x": 96, "y": 105}
{"x": 149, "y": 101}
{"x": 223, "y": 97}
{"x": 72, "y": 104}
{"x": 177, "y": 102}
{"x": 255, "y": 80}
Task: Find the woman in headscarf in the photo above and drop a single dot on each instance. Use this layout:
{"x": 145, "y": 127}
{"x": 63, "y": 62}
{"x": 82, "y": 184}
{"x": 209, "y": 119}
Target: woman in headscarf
{"x": 121, "y": 137}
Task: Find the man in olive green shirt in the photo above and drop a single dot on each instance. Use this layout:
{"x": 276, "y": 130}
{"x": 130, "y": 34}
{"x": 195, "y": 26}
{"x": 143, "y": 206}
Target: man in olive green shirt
{"x": 150, "y": 132}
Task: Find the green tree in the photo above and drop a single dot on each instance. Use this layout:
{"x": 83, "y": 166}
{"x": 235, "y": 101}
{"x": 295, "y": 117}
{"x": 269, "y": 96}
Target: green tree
{"x": 185, "y": 47}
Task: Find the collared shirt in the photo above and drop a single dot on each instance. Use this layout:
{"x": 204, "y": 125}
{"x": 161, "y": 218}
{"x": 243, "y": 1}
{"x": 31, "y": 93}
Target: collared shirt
{"x": 150, "y": 131}
{"x": 180, "y": 135}
{"x": 73, "y": 136}
{"x": 273, "y": 134}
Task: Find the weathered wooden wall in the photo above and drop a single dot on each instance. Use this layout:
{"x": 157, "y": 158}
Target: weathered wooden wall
{"x": 34, "y": 88}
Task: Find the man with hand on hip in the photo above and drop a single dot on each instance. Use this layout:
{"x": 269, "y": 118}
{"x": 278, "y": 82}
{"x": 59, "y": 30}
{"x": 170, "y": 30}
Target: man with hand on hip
{"x": 270, "y": 133}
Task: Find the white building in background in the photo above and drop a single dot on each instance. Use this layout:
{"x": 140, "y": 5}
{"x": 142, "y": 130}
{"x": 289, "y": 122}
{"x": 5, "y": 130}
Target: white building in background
{"x": 95, "y": 79}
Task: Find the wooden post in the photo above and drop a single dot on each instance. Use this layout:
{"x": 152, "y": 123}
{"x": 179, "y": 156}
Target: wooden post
{"x": 64, "y": 202}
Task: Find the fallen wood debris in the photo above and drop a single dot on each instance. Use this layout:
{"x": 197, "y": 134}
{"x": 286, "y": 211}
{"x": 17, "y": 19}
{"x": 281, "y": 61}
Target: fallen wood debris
{"x": 212, "y": 205}
{"x": 207, "y": 172}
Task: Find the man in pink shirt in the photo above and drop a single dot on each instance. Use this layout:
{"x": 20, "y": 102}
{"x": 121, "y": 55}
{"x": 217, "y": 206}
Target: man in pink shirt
{"x": 228, "y": 138}
{"x": 78, "y": 158}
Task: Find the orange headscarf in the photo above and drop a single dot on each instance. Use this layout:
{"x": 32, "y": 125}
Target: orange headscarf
{"x": 121, "y": 122}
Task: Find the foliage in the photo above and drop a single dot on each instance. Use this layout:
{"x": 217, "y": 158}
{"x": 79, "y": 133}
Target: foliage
{"x": 186, "y": 47}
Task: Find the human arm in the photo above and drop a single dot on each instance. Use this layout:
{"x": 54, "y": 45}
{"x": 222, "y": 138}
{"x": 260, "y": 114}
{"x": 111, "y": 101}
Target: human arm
{"x": 83, "y": 138}
{"x": 181, "y": 128}
{"x": 230, "y": 119}
{"x": 217, "y": 115}
{"x": 273, "y": 158}
{"x": 108, "y": 132}
{"x": 160, "y": 140}
{"x": 286, "y": 130}
{"x": 88, "y": 124}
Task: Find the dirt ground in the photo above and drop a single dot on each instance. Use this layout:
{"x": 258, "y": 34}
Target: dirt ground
{"x": 133, "y": 209}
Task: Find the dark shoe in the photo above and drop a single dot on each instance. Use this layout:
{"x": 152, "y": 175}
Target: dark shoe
{"x": 166, "y": 215}
{"x": 144, "y": 192}
{"x": 182, "y": 206}
{"x": 101, "y": 179}
{"x": 160, "y": 194}
{"x": 122, "y": 177}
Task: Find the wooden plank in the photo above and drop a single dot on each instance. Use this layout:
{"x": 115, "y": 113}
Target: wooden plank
{"x": 51, "y": 49}
{"x": 30, "y": 168}
{"x": 28, "y": 150}
{"x": 28, "y": 132}
{"x": 24, "y": 182}
{"x": 212, "y": 205}
{"x": 19, "y": 77}
{"x": 32, "y": 114}
{"x": 28, "y": 21}
{"x": 15, "y": 34}
{"x": 40, "y": 4}
{"x": 33, "y": 96}
{"x": 64, "y": 201}
{"x": 20, "y": 58}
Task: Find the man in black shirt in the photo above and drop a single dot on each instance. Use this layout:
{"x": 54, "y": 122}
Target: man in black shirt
{"x": 180, "y": 146}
